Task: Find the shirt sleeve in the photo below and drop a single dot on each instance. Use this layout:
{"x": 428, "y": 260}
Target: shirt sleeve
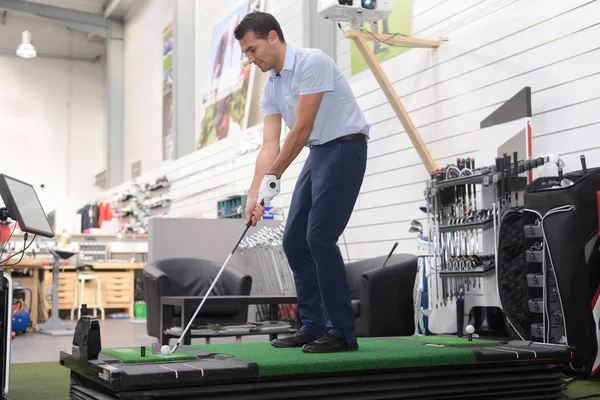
{"x": 317, "y": 74}
{"x": 267, "y": 105}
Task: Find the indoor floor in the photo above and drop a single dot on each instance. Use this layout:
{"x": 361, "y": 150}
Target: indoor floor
{"x": 36, "y": 347}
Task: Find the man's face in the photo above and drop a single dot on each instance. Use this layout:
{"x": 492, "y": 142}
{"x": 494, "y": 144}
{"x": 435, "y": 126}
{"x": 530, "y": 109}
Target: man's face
{"x": 261, "y": 52}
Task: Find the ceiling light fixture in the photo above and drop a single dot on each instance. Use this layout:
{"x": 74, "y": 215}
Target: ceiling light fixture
{"x": 26, "y": 49}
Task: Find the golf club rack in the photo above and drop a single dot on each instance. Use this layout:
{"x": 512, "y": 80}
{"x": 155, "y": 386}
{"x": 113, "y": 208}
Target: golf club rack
{"x": 270, "y": 271}
{"x": 459, "y": 275}
{"x": 549, "y": 282}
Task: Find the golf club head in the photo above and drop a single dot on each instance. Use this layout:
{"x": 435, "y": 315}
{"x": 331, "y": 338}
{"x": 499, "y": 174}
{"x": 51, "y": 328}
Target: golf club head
{"x": 414, "y": 229}
{"x": 416, "y": 223}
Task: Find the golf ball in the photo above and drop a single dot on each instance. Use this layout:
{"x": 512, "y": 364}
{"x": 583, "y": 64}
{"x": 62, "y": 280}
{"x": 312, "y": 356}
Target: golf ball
{"x": 165, "y": 349}
{"x": 470, "y": 329}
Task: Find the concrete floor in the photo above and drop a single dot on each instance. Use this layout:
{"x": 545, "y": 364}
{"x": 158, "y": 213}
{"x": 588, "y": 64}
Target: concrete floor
{"x": 38, "y": 347}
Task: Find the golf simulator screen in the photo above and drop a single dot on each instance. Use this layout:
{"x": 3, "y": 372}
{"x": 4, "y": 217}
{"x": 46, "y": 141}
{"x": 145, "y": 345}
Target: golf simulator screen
{"x": 24, "y": 206}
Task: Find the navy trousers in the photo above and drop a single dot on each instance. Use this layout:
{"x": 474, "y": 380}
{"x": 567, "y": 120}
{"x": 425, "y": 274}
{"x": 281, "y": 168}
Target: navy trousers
{"x": 322, "y": 202}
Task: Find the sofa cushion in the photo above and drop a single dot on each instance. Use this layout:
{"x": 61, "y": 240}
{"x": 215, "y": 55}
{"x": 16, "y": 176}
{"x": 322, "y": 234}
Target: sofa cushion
{"x": 212, "y": 310}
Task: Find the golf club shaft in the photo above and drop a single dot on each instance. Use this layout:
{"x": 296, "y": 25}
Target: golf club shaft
{"x": 516, "y": 177}
{"x": 389, "y": 255}
{"x": 248, "y": 225}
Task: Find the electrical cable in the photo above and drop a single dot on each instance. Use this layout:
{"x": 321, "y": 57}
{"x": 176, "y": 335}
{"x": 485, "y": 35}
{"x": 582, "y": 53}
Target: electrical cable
{"x": 390, "y": 36}
{"x": 384, "y": 41}
{"x": 454, "y": 168}
{"x": 22, "y": 252}
{"x": 589, "y": 396}
{"x": 570, "y": 380}
{"x": 7, "y": 240}
{"x": 466, "y": 171}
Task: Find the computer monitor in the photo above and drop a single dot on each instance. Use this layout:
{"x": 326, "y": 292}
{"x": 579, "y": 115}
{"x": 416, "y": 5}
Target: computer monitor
{"x": 23, "y": 205}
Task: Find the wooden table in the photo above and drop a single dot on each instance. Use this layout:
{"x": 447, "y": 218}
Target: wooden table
{"x": 189, "y": 304}
{"x": 39, "y": 266}
{"x": 118, "y": 284}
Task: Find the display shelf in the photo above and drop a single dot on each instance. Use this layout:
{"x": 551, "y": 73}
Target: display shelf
{"x": 232, "y": 207}
{"x": 488, "y": 223}
{"x": 480, "y": 177}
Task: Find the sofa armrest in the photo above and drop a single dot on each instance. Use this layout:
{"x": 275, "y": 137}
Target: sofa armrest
{"x": 156, "y": 284}
{"x": 386, "y": 301}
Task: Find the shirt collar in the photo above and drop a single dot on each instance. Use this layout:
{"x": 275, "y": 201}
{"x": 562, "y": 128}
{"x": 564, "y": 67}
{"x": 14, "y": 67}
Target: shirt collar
{"x": 288, "y": 62}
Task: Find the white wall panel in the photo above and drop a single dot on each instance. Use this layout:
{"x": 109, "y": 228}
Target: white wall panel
{"x": 144, "y": 25}
{"x": 495, "y": 48}
{"x": 52, "y": 113}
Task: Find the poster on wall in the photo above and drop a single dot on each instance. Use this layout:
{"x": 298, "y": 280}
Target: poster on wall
{"x": 167, "y": 115}
{"x": 227, "y": 86}
{"x": 399, "y": 22}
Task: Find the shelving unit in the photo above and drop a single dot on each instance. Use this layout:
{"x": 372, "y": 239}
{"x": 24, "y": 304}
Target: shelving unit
{"x": 463, "y": 218}
{"x": 465, "y": 207}
{"x": 232, "y": 207}
{"x": 140, "y": 202}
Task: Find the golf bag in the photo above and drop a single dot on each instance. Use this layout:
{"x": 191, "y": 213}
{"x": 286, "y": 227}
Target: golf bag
{"x": 421, "y": 289}
{"x": 429, "y": 318}
{"x": 549, "y": 266}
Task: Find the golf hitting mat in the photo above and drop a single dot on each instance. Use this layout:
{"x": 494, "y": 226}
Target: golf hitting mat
{"x": 432, "y": 367}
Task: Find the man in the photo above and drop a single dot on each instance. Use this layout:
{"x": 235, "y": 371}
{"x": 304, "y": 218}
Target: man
{"x": 309, "y": 92}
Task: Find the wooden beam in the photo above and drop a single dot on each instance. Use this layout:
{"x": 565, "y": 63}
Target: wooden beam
{"x": 392, "y": 97}
{"x": 396, "y": 40}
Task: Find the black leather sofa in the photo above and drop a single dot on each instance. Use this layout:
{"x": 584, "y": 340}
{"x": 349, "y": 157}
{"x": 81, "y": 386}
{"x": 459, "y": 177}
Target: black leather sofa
{"x": 382, "y": 297}
{"x": 193, "y": 277}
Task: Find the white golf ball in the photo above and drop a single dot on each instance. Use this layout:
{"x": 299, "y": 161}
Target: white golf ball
{"x": 165, "y": 349}
{"x": 470, "y": 329}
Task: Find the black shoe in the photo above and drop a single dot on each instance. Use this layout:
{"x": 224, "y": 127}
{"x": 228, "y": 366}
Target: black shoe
{"x": 298, "y": 339}
{"x": 329, "y": 343}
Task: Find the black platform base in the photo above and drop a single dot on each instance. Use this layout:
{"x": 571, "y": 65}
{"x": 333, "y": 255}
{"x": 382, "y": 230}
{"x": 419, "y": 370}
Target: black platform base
{"x": 533, "y": 382}
{"x": 393, "y": 368}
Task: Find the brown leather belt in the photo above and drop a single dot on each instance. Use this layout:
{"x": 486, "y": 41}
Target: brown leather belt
{"x": 352, "y": 136}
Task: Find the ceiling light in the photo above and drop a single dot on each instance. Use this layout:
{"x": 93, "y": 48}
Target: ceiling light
{"x": 26, "y": 49}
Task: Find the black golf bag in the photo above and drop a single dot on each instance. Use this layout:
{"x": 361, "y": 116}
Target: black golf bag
{"x": 549, "y": 266}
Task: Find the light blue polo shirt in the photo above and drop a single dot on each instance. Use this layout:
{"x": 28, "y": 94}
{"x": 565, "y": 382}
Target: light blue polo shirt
{"x": 308, "y": 71}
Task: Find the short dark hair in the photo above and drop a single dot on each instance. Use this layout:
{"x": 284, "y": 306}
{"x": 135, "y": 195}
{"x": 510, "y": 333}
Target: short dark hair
{"x": 261, "y": 23}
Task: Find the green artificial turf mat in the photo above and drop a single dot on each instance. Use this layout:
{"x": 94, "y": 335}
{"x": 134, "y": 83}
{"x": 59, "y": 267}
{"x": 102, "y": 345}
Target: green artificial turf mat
{"x": 133, "y": 355}
{"x": 44, "y": 380}
{"x": 450, "y": 340}
{"x": 373, "y": 354}
{"x": 583, "y": 388}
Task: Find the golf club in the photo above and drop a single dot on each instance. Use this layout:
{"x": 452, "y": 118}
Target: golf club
{"x": 389, "y": 255}
{"x": 416, "y": 223}
{"x": 248, "y": 225}
{"x": 415, "y": 229}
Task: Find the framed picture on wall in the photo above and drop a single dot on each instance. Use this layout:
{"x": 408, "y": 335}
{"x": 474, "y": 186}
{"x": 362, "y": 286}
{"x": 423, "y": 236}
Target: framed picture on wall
{"x": 228, "y": 81}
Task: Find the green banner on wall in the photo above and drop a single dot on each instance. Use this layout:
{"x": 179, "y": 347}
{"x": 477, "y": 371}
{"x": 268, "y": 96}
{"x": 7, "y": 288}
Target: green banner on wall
{"x": 399, "y": 22}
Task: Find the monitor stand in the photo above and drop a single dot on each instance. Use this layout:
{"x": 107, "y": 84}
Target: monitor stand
{"x": 56, "y": 326}
{"x": 6, "y": 290}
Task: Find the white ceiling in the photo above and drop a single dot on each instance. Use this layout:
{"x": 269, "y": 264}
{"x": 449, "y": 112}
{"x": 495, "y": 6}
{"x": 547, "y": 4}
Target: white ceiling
{"x": 91, "y": 6}
{"x": 107, "y": 8}
{"x": 116, "y": 8}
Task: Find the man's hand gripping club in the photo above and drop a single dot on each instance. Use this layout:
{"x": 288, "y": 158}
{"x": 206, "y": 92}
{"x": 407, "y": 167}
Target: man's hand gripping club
{"x": 269, "y": 188}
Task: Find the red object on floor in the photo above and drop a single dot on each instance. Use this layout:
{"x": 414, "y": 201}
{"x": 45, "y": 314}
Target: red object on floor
{"x": 13, "y": 335}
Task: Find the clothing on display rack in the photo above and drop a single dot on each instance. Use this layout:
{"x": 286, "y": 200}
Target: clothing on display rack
{"x": 94, "y": 214}
{"x": 105, "y": 213}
